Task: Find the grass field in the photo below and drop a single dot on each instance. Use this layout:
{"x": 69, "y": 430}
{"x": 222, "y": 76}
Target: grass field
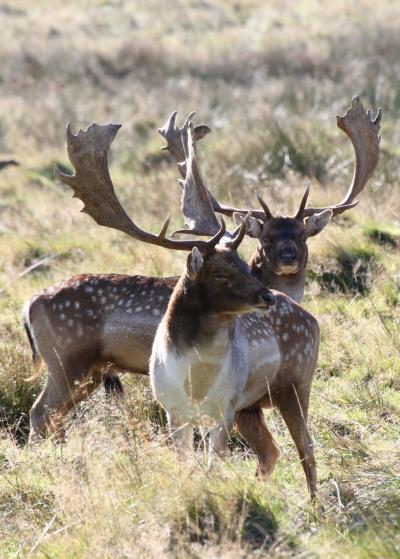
{"x": 269, "y": 78}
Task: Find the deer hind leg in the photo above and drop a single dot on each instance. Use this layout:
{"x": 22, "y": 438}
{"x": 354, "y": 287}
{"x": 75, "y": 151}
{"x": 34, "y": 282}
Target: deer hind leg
{"x": 293, "y": 405}
{"x": 252, "y": 427}
{"x": 66, "y": 385}
{"x": 112, "y": 384}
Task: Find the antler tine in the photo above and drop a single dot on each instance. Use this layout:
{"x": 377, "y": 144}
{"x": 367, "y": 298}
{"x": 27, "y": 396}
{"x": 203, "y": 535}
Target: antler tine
{"x": 266, "y": 210}
{"x": 300, "y": 211}
{"x": 263, "y": 215}
{"x": 238, "y": 237}
{"x": 364, "y": 135}
{"x": 92, "y": 184}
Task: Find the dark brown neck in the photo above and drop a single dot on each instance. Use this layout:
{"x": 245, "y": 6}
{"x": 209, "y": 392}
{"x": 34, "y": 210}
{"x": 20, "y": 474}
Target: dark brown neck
{"x": 290, "y": 284}
{"x": 188, "y": 320}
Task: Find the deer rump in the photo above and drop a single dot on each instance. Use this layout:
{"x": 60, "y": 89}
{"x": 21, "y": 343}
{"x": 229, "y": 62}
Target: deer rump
{"x": 105, "y": 321}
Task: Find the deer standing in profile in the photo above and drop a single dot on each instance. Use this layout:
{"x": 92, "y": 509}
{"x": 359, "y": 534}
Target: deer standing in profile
{"x": 88, "y": 322}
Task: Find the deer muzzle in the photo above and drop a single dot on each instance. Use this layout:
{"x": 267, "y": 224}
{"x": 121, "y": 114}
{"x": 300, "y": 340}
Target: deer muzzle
{"x": 266, "y": 298}
{"x": 288, "y": 255}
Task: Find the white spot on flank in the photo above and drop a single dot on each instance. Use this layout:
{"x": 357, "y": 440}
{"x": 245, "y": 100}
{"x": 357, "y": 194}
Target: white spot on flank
{"x": 62, "y": 316}
{"x": 161, "y": 298}
{"x": 138, "y": 309}
{"x": 102, "y": 300}
{"x": 77, "y": 305}
{"x": 99, "y": 292}
{"x": 147, "y": 307}
{"x": 285, "y": 337}
{"x": 67, "y": 304}
{"x": 143, "y": 292}
{"x": 156, "y": 312}
{"x": 70, "y": 322}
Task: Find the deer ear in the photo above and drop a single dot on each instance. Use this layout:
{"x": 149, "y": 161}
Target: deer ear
{"x": 253, "y": 226}
{"x": 194, "y": 263}
{"x": 315, "y": 223}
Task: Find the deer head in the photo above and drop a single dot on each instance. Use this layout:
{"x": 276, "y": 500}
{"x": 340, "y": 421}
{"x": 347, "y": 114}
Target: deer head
{"x": 283, "y": 248}
{"x": 283, "y": 240}
{"x": 223, "y": 282}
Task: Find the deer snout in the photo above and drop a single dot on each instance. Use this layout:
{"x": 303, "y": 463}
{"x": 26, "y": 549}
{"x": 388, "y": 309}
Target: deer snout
{"x": 288, "y": 255}
{"x": 267, "y": 298}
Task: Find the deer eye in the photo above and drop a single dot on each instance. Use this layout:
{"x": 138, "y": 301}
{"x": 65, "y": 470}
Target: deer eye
{"x": 268, "y": 242}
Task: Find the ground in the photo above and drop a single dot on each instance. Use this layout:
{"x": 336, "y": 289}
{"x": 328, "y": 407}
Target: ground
{"x": 269, "y": 78}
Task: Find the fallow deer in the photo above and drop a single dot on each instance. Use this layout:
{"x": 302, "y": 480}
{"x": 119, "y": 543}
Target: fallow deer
{"x": 210, "y": 361}
{"x": 87, "y": 322}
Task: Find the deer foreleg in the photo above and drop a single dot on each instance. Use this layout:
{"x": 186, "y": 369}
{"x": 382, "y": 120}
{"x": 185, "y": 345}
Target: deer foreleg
{"x": 219, "y": 438}
{"x": 293, "y": 405}
{"x": 181, "y": 434}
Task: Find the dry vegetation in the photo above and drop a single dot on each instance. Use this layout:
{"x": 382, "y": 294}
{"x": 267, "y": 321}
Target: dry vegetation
{"x": 269, "y": 78}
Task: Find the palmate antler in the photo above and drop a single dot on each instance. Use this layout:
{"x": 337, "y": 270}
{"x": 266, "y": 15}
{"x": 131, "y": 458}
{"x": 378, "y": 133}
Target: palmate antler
{"x": 197, "y": 201}
{"x": 196, "y": 197}
{"x": 364, "y": 135}
{"x": 88, "y": 153}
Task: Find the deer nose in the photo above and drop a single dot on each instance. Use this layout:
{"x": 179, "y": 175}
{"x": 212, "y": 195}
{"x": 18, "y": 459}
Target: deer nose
{"x": 267, "y": 297}
{"x": 287, "y": 255}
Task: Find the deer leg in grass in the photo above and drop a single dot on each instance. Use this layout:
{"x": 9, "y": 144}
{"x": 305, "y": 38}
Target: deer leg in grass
{"x": 252, "y": 427}
{"x": 293, "y": 405}
{"x": 219, "y": 438}
{"x": 181, "y": 434}
{"x": 65, "y": 387}
{"x": 112, "y": 383}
